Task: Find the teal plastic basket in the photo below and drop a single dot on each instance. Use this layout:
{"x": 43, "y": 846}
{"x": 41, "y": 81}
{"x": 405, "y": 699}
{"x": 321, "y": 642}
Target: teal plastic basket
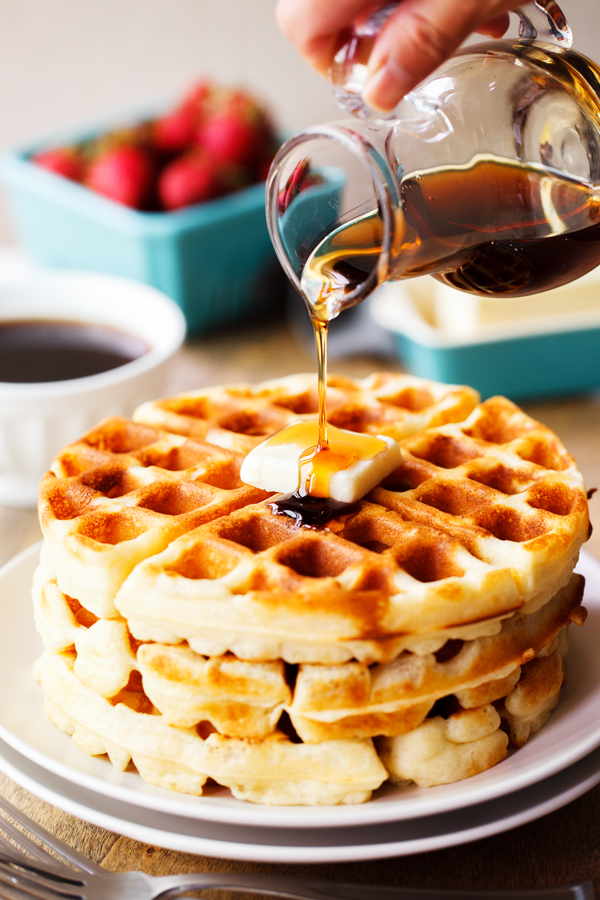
{"x": 214, "y": 259}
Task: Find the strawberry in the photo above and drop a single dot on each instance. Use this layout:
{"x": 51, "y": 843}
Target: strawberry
{"x": 124, "y": 173}
{"x": 65, "y": 161}
{"x": 239, "y": 103}
{"x": 198, "y": 96}
{"x": 174, "y": 132}
{"x": 188, "y": 179}
{"x": 230, "y": 138}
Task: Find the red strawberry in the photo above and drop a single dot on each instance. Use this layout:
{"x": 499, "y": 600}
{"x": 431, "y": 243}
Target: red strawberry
{"x": 174, "y": 132}
{"x": 124, "y": 173}
{"x": 198, "y": 95}
{"x": 239, "y": 103}
{"x": 65, "y": 161}
{"x": 231, "y": 139}
{"x": 189, "y": 179}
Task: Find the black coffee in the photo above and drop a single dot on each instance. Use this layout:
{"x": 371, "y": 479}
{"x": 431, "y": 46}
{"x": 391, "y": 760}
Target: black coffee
{"x": 33, "y": 350}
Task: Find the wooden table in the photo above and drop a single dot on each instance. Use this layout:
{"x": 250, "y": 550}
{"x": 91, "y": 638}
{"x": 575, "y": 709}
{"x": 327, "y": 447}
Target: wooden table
{"x": 558, "y": 849}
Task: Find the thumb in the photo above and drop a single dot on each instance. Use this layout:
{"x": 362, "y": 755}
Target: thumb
{"x": 419, "y": 36}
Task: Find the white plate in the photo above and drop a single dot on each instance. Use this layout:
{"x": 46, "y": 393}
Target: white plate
{"x": 305, "y": 845}
{"x": 573, "y": 732}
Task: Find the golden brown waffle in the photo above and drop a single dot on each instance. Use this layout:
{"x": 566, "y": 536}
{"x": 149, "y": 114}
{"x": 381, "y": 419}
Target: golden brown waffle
{"x": 240, "y": 416}
{"x": 481, "y": 518}
{"x": 246, "y": 699}
{"x": 275, "y": 770}
{"x": 126, "y": 489}
{"x": 360, "y": 588}
{"x": 502, "y": 485}
{"x": 354, "y": 700}
{"x": 255, "y": 584}
{"x": 238, "y": 698}
{"x": 124, "y": 492}
{"x": 185, "y": 623}
{"x": 443, "y": 750}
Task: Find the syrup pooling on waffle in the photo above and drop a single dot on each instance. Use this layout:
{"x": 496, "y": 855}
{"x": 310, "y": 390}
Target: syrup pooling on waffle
{"x": 124, "y": 492}
{"x": 92, "y": 544}
{"x": 240, "y": 416}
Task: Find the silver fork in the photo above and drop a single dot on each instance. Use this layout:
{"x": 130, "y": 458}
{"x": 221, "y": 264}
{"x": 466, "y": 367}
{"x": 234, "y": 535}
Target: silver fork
{"x": 29, "y": 870}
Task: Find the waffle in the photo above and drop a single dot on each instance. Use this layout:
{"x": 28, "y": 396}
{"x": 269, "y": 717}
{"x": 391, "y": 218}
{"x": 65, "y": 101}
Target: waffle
{"x": 238, "y": 698}
{"x": 502, "y": 485}
{"x": 240, "y": 416}
{"x": 246, "y": 699}
{"x": 194, "y": 632}
{"x": 271, "y": 768}
{"x": 373, "y": 583}
{"x": 123, "y": 493}
{"x": 444, "y": 750}
{"x": 127, "y": 489}
{"x": 354, "y": 700}
{"x": 275, "y": 770}
{"x": 482, "y": 518}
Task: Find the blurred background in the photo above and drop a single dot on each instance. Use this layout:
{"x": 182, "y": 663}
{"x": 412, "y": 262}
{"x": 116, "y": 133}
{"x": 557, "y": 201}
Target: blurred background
{"x": 68, "y": 63}
{"x": 65, "y": 62}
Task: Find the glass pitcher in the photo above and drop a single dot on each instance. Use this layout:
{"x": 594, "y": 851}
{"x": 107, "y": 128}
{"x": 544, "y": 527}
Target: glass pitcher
{"x": 486, "y": 176}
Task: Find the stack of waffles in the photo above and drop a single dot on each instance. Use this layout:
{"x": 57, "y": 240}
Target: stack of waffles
{"x": 194, "y": 633}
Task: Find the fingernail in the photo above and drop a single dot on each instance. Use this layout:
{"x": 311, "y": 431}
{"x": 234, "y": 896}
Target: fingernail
{"x": 386, "y": 87}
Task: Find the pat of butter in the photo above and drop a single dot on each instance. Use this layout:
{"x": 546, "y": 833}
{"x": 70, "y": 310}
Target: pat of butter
{"x": 274, "y": 464}
{"x": 464, "y": 314}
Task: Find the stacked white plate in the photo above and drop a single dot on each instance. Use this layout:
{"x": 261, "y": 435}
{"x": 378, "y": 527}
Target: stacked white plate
{"x": 556, "y": 766}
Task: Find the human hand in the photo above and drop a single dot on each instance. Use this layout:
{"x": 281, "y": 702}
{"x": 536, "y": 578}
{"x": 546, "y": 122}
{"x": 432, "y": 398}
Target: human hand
{"x": 415, "y": 40}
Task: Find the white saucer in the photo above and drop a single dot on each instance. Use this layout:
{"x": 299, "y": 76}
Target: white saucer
{"x": 305, "y": 845}
{"x": 572, "y": 733}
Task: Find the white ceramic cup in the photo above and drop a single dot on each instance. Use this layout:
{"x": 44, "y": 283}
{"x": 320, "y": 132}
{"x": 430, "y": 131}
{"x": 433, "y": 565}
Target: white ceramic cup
{"x": 36, "y": 420}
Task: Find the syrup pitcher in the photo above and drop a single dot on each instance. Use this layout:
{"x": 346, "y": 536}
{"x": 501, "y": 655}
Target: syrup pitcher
{"x": 486, "y": 176}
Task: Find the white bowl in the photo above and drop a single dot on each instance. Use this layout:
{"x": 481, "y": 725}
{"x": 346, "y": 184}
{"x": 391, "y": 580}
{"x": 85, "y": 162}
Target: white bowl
{"x": 36, "y": 420}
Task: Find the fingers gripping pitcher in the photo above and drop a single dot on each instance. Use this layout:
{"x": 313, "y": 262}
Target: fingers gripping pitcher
{"x": 487, "y": 176}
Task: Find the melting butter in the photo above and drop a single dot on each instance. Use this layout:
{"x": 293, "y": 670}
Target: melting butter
{"x": 344, "y": 469}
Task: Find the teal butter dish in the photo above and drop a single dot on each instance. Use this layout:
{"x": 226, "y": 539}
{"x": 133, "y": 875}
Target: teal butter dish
{"x": 215, "y": 259}
{"x": 548, "y": 355}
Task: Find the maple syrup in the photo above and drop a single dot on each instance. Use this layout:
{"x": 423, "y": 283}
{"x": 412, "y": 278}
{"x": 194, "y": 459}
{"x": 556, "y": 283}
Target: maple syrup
{"x": 493, "y": 226}
{"x": 41, "y": 350}
{"x": 329, "y": 450}
{"x": 311, "y": 512}
{"x": 319, "y": 462}
{"x": 501, "y": 227}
